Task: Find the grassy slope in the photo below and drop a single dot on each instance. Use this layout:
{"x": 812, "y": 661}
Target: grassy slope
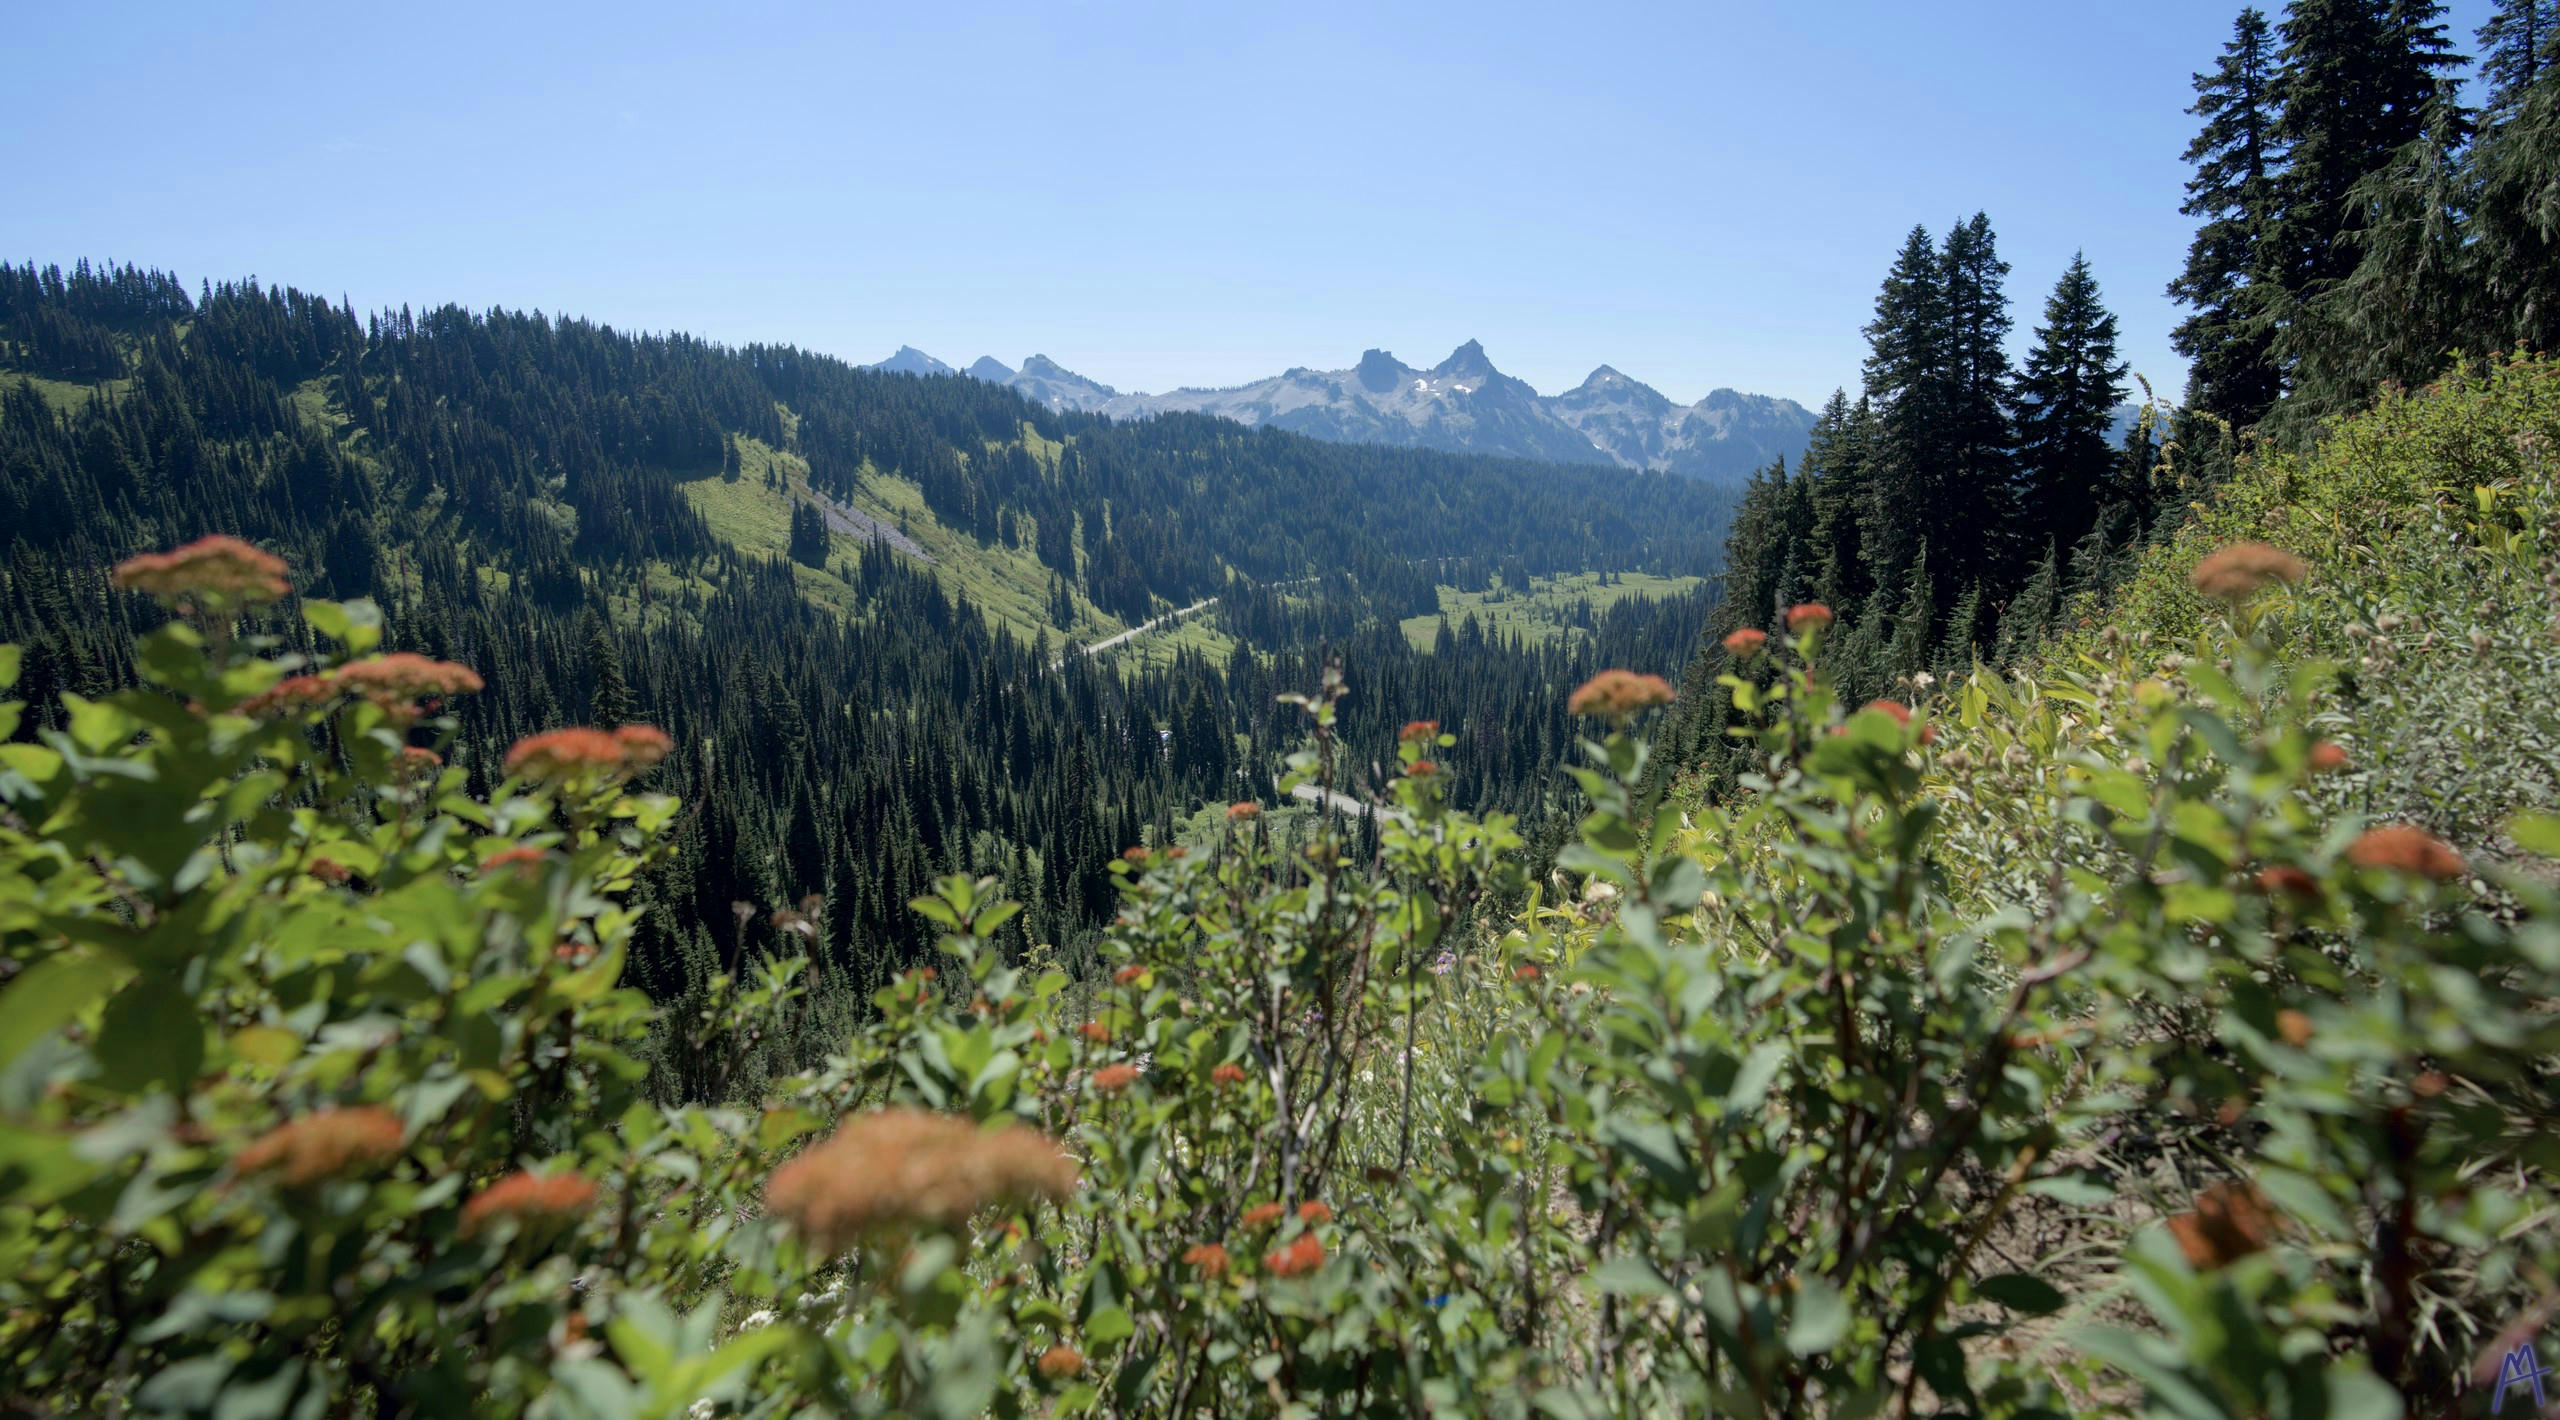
{"x": 1540, "y": 613}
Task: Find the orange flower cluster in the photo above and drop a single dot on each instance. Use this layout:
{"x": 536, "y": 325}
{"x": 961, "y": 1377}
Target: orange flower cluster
{"x": 1312, "y": 1212}
{"x": 903, "y": 1167}
{"x": 287, "y": 695}
{"x": 1296, "y": 1259}
{"x": 529, "y": 1198}
{"x": 2406, "y": 848}
{"x": 565, "y": 754}
{"x": 1228, "y": 1074}
{"x": 1060, "y": 1363}
{"x": 1112, "y": 1079}
{"x": 404, "y": 675}
{"x": 2236, "y": 573}
{"x": 2294, "y": 1027}
{"x": 1417, "y": 730}
{"x": 519, "y": 856}
{"x": 1525, "y": 971}
{"x": 413, "y": 759}
{"x": 326, "y": 1143}
{"x": 217, "y": 571}
{"x": 329, "y": 870}
{"x": 1744, "y": 644}
{"x": 1245, "y": 809}
{"x": 1128, "y": 975}
{"x": 2286, "y": 880}
{"x": 2328, "y": 757}
{"x": 1422, "y": 769}
{"x": 1619, "y": 693}
{"x": 1808, "y": 616}
{"x": 1135, "y": 855}
{"x": 1263, "y": 1215}
{"x": 1095, "y": 1031}
{"x": 2230, "y": 1221}
{"x": 1209, "y": 1258}
{"x": 1900, "y": 712}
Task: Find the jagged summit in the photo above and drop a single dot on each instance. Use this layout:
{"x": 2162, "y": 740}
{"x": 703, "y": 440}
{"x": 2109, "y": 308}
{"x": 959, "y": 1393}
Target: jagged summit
{"x": 1464, "y": 404}
{"x": 911, "y": 361}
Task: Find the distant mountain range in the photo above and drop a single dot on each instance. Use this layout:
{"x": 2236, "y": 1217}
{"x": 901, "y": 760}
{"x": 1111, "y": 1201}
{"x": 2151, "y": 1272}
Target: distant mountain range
{"x": 1462, "y": 405}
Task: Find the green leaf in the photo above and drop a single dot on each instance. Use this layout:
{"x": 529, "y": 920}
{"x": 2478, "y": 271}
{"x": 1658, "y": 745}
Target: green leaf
{"x": 1819, "y": 1320}
{"x": 1108, "y": 1326}
{"x": 2020, "y": 1292}
{"x": 2082, "y": 1190}
{"x": 151, "y": 1035}
{"x": 1627, "y": 1275}
{"x": 2536, "y": 832}
{"x": 50, "y": 993}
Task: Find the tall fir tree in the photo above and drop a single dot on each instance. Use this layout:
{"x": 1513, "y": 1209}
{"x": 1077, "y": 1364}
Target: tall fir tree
{"x": 2066, "y": 401}
{"x": 2518, "y": 45}
{"x": 1836, "y": 457}
{"x": 1974, "y": 513}
{"x": 1907, "y": 390}
{"x": 2359, "y": 77}
{"x": 2232, "y": 263}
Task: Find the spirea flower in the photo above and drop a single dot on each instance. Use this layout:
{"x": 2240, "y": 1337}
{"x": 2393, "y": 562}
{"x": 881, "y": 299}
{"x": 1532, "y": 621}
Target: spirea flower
{"x": 1417, "y": 731}
{"x": 1313, "y": 1212}
{"x": 1112, "y": 1079}
{"x": 1900, "y": 712}
{"x": 1135, "y": 855}
{"x": 643, "y": 746}
{"x": 2328, "y": 757}
{"x": 292, "y": 693}
{"x": 414, "y": 759}
{"x": 404, "y": 676}
{"x": 566, "y": 754}
{"x": 1228, "y": 1074}
{"x": 2406, "y": 848}
{"x": 326, "y": 1143}
{"x": 1616, "y": 694}
{"x": 900, "y": 1167}
{"x": 1807, "y": 616}
{"x": 1128, "y": 975}
{"x": 1422, "y": 769}
{"x": 2229, "y": 1222}
{"x": 1744, "y": 644}
{"x": 1296, "y": 1259}
{"x": 1095, "y": 1031}
{"x": 1244, "y": 809}
{"x": 1263, "y": 1215}
{"x": 1525, "y": 971}
{"x": 529, "y": 1198}
{"x": 216, "y": 572}
{"x": 2236, "y": 573}
{"x": 1209, "y": 1258}
{"x": 1060, "y": 1363}
{"x": 2286, "y": 880}
{"x": 2294, "y": 1027}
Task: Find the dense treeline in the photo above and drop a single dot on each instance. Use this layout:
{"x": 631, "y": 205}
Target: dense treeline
{"x": 510, "y": 487}
{"x": 2359, "y": 227}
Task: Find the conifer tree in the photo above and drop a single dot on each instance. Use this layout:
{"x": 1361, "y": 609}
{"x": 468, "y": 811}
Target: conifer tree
{"x": 1906, "y": 388}
{"x": 608, "y": 694}
{"x": 2358, "y": 80}
{"x": 2518, "y": 45}
{"x": 2066, "y": 400}
{"x": 2232, "y": 262}
{"x": 1976, "y": 509}
{"x": 1836, "y": 458}
{"x": 2515, "y": 226}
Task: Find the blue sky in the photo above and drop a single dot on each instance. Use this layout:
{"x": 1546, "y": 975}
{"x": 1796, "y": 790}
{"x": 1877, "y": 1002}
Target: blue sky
{"x": 1700, "y": 194}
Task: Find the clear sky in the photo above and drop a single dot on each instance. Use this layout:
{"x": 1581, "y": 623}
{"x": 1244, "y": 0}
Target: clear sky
{"x": 1699, "y": 194}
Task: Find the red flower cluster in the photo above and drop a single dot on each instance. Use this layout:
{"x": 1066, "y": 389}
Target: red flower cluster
{"x": 2286, "y": 880}
{"x": 1422, "y": 769}
{"x": 529, "y": 1198}
{"x": 1808, "y": 616}
{"x": 2328, "y": 757}
{"x": 1135, "y": 855}
{"x": 895, "y": 1167}
{"x": 1900, "y": 712}
{"x": 1209, "y": 1258}
{"x": 1095, "y": 1031}
{"x": 1245, "y": 809}
{"x": 2236, "y": 573}
{"x": 1312, "y": 1212}
{"x": 1228, "y": 1074}
{"x": 1617, "y": 694}
{"x": 2230, "y": 1221}
{"x": 416, "y": 760}
{"x": 218, "y": 572}
{"x": 1263, "y": 1215}
{"x": 565, "y": 754}
{"x": 328, "y": 1143}
{"x": 1297, "y": 1259}
{"x": 1419, "y": 730}
{"x": 1744, "y": 644}
{"x": 1525, "y": 971}
{"x": 1060, "y": 1363}
{"x": 329, "y": 870}
{"x": 1112, "y": 1079}
{"x": 2407, "y": 848}
{"x": 289, "y": 694}
{"x": 1128, "y": 975}
{"x": 403, "y": 676}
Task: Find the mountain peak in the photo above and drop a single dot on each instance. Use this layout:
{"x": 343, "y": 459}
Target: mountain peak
{"x": 1604, "y": 377}
{"x": 990, "y": 369}
{"x": 1380, "y": 371}
{"x": 911, "y": 361}
{"x": 1467, "y": 361}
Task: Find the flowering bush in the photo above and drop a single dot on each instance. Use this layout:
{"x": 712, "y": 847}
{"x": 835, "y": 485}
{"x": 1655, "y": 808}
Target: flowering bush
{"x": 2099, "y": 1038}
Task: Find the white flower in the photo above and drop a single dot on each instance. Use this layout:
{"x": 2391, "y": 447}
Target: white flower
{"x": 756, "y": 1319}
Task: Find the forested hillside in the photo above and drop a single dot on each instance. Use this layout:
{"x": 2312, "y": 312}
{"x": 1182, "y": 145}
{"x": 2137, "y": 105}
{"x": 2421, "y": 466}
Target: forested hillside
{"x": 614, "y": 527}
